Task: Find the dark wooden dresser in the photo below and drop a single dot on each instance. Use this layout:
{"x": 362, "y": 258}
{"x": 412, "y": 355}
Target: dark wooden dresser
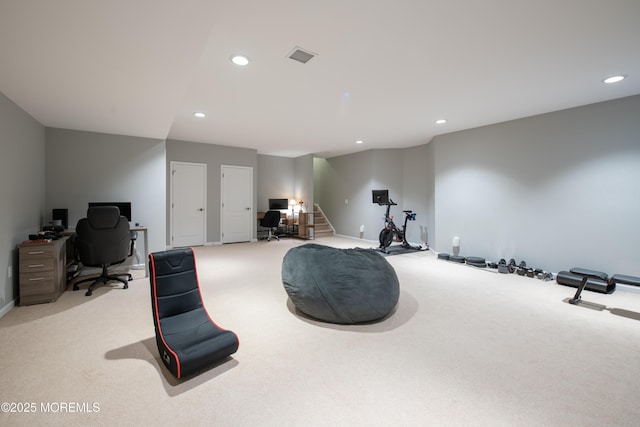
{"x": 43, "y": 276}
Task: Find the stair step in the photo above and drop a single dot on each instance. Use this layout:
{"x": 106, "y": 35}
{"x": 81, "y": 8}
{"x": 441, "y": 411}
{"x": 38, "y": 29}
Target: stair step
{"x": 320, "y": 223}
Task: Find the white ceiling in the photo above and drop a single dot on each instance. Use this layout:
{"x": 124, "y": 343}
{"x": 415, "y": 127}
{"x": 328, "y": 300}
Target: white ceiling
{"x": 385, "y": 69}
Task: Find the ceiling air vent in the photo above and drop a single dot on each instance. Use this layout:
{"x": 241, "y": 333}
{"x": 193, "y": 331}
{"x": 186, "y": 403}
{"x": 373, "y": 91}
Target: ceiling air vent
{"x": 301, "y": 55}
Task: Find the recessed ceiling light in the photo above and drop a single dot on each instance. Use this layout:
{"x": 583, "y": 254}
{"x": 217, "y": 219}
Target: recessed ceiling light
{"x": 359, "y": 141}
{"x": 614, "y": 79}
{"x": 200, "y": 115}
{"x": 241, "y": 60}
{"x": 441, "y": 121}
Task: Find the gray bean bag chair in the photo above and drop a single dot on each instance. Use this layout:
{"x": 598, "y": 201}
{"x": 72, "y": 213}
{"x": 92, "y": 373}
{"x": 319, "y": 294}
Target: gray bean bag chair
{"x": 343, "y": 286}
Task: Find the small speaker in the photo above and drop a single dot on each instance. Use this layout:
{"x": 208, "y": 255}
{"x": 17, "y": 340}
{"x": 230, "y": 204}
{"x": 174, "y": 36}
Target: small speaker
{"x": 61, "y": 215}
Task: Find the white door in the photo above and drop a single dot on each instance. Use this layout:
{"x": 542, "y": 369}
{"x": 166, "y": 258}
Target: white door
{"x": 237, "y": 217}
{"x": 188, "y": 202}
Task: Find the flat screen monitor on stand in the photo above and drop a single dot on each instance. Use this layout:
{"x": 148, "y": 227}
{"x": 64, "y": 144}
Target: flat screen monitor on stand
{"x": 278, "y": 204}
{"x": 380, "y": 197}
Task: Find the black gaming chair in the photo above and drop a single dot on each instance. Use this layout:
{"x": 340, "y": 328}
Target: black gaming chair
{"x": 271, "y": 220}
{"x": 102, "y": 240}
{"x": 188, "y": 339}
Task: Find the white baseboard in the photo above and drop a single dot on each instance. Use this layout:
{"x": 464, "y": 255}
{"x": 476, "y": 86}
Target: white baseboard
{"x": 7, "y": 308}
{"x": 373, "y": 242}
{"x": 627, "y": 288}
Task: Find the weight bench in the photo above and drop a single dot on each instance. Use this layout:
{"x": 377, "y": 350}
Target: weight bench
{"x": 597, "y": 281}
{"x": 599, "y": 276}
{"x": 594, "y": 280}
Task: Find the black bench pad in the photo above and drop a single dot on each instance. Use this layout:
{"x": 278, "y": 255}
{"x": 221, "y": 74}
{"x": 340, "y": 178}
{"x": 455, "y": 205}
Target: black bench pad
{"x": 574, "y": 280}
{"x": 625, "y": 280}
{"x": 589, "y": 273}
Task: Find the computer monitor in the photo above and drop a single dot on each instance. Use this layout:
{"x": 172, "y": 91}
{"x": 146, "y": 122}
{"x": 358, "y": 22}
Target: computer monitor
{"x": 278, "y": 204}
{"x": 125, "y": 207}
{"x": 380, "y": 197}
{"x": 61, "y": 215}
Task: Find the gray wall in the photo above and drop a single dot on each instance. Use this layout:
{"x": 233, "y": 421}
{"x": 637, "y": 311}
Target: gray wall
{"x": 418, "y": 193}
{"x": 284, "y": 178}
{"x": 214, "y": 156}
{"x": 557, "y": 190}
{"x": 340, "y": 188}
{"x": 85, "y": 167}
{"x": 303, "y": 181}
{"x": 343, "y": 190}
{"x": 276, "y": 177}
{"x": 22, "y": 190}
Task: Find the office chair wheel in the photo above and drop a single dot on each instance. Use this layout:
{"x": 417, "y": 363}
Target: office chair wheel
{"x": 88, "y": 294}
{"x": 126, "y": 286}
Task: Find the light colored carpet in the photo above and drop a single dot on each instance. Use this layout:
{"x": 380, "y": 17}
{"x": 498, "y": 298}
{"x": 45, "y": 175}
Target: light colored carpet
{"x": 464, "y": 347}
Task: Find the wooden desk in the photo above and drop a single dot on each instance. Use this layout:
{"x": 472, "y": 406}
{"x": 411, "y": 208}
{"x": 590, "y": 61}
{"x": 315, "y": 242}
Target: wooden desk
{"x": 283, "y": 217}
{"x": 260, "y": 215}
{"x": 302, "y": 228}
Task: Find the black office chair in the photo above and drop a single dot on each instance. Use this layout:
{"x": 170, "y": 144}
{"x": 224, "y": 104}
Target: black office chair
{"x": 103, "y": 239}
{"x": 271, "y": 220}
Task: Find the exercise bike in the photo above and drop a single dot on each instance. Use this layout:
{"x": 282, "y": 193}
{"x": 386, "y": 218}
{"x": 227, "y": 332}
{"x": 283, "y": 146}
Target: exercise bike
{"x": 391, "y": 232}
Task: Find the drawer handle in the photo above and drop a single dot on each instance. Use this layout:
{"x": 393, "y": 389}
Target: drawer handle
{"x": 36, "y": 252}
{"x": 34, "y": 279}
{"x": 35, "y": 265}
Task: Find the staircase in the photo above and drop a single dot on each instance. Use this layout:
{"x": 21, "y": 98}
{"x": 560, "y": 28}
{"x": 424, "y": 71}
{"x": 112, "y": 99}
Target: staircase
{"x": 322, "y": 228}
